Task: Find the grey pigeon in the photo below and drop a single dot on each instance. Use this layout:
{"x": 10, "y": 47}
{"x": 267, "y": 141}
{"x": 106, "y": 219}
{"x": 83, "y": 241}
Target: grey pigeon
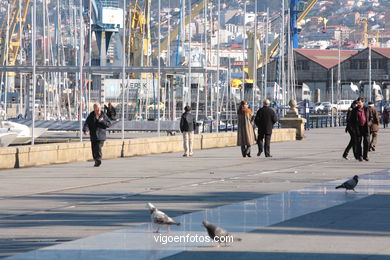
{"x": 216, "y": 233}
{"x": 160, "y": 218}
{"x": 349, "y": 184}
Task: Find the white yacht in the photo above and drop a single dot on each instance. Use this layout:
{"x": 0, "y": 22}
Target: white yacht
{"x": 7, "y": 138}
{"x": 23, "y": 132}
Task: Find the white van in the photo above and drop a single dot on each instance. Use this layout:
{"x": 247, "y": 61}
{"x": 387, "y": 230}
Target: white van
{"x": 343, "y": 105}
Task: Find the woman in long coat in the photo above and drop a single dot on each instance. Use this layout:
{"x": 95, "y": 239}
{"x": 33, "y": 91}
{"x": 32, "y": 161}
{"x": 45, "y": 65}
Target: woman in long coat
{"x": 245, "y": 132}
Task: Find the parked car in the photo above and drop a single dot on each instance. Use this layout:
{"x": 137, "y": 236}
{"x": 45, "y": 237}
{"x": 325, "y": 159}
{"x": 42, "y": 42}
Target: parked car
{"x": 323, "y": 106}
{"x": 343, "y": 105}
{"x": 301, "y": 107}
{"x": 152, "y": 106}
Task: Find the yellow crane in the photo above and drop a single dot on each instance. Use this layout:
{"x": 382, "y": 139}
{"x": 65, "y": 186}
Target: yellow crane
{"x": 364, "y": 21}
{"x": 17, "y": 18}
{"x": 196, "y": 8}
{"x": 138, "y": 41}
{"x": 274, "y": 47}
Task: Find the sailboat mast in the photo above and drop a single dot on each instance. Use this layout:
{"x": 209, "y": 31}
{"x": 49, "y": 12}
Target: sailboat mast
{"x": 369, "y": 73}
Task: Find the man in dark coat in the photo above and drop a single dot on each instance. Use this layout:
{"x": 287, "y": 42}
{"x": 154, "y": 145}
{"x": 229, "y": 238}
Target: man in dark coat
{"x": 360, "y": 121}
{"x": 187, "y": 127}
{"x": 110, "y": 111}
{"x": 352, "y": 132}
{"x": 97, "y": 122}
{"x": 375, "y": 119}
{"x": 265, "y": 120}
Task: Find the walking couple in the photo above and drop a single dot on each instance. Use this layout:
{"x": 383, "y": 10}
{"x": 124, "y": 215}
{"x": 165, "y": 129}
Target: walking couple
{"x": 264, "y": 120}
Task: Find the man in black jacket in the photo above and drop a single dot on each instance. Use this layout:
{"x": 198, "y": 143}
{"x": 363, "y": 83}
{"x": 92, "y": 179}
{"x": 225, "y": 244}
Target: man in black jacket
{"x": 352, "y": 132}
{"x": 265, "y": 120}
{"x": 187, "y": 127}
{"x": 97, "y": 122}
{"x": 361, "y": 122}
{"x": 110, "y": 111}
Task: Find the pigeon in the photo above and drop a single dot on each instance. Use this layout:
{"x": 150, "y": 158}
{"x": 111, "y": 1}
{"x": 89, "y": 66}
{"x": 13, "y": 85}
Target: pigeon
{"x": 216, "y": 233}
{"x": 349, "y": 184}
{"x": 160, "y": 218}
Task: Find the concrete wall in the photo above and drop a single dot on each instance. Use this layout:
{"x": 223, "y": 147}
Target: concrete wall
{"x": 44, "y": 154}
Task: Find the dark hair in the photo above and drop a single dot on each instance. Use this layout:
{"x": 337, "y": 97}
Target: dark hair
{"x": 187, "y": 108}
{"x": 241, "y": 107}
{"x": 360, "y": 99}
{"x": 244, "y": 102}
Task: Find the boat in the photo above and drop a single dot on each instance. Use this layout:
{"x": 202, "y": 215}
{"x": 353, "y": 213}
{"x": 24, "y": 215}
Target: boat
{"x": 23, "y": 132}
{"x": 7, "y": 138}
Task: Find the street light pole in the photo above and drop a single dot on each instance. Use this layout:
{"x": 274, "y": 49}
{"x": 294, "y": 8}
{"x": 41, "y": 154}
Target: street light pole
{"x": 218, "y": 60}
{"x": 159, "y": 68}
{"x": 243, "y": 54}
{"x": 123, "y": 68}
{"x": 34, "y": 79}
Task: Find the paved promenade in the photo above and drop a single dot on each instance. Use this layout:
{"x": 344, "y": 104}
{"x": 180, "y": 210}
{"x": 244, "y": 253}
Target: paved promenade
{"x": 51, "y": 205}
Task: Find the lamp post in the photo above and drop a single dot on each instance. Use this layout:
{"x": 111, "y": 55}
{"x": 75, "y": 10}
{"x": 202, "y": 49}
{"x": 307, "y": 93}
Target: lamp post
{"x": 243, "y": 53}
{"x": 218, "y": 61}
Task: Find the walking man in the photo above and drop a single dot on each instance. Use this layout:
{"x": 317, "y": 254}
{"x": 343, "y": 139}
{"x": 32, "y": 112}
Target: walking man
{"x": 374, "y": 128}
{"x": 360, "y": 121}
{"x": 187, "y": 127}
{"x": 352, "y": 132}
{"x": 265, "y": 120}
{"x": 385, "y": 117}
{"x": 97, "y": 122}
{"x": 110, "y": 111}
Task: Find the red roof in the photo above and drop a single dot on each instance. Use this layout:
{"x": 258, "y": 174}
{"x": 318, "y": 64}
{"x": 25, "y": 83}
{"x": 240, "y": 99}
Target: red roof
{"x": 326, "y": 58}
{"x": 382, "y": 51}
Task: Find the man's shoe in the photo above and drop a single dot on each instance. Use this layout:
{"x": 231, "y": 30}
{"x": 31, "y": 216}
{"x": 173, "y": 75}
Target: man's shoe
{"x": 185, "y": 155}
{"x": 98, "y": 163}
{"x": 366, "y": 159}
{"x": 373, "y": 149}
{"x": 249, "y": 155}
{"x": 360, "y": 159}
{"x": 345, "y": 157}
{"x": 268, "y": 155}
{"x": 258, "y": 154}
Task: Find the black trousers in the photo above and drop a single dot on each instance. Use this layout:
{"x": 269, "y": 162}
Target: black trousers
{"x": 97, "y": 149}
{"x": 365, "y": 137}
{"x": 266, "y": 145}
{"x": 351, "y": 144}
{"x": 245, "y": 150}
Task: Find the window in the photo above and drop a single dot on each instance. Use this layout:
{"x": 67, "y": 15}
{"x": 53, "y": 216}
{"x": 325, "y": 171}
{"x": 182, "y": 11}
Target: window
{"x": 382, "y": 64}
{"x": 303, "y": 65}
{"x": 354, "y": 65}
{"x": 362, "y": 64}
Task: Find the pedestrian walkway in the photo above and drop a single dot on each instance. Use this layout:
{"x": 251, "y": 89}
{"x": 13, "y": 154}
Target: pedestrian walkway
{"x": 54, "y": 204}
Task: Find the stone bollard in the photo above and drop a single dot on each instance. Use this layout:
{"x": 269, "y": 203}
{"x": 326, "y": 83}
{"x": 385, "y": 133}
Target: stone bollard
{"x": 294, "y": 120}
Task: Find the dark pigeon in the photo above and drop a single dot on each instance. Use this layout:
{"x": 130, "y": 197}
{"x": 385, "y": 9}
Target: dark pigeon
{"x": 349, "y": 184}
{"x": 160, "y": 218}
{"x": 216, "y": 233}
